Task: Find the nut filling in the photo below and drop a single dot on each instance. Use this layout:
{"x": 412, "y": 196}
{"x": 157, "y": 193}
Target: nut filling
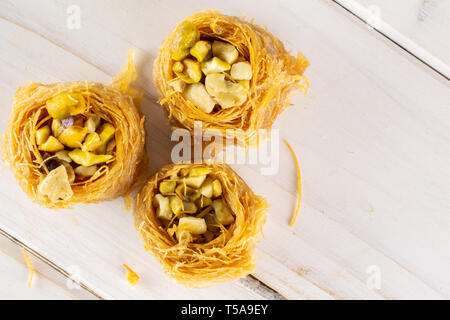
{"x": 210, "y": 73}
{"x": 190, "y": 206}
{"x": 74, "y": 145}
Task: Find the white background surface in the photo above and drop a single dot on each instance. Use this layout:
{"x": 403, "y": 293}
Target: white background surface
{"x": 372, "y": 137}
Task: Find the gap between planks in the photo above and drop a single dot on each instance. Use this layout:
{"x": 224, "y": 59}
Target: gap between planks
{"x": 245, "y": 280}
{"x": 250, "y": 282}
{"x": 48, "y": 262}
{"x": 396, "y": 37}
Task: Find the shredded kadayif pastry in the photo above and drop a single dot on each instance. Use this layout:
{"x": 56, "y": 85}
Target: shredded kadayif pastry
{"x": 201, "y": 221}
{"x": 127, "y": 202}
{"x": 299, "y": 185}
{"x": 76, "y": 141}
{"x": 227, "y": 73}
{"x": 29, "y": 266}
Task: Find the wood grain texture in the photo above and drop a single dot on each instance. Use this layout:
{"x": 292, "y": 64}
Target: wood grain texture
{"x": 372, "y": 17}
{"x": 105, "y": 234}
{"x": 372, "y": 137}
{"x": 426, "y": 22}
{"x": 47, "y": 282}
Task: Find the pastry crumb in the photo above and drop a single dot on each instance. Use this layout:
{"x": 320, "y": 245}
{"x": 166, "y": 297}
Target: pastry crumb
{"x": 131, "y": 276}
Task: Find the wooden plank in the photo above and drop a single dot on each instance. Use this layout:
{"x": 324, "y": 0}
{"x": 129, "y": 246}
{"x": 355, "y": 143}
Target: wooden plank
{"x": 366, "y": 137}
{"x": 417, "y": 26}
{"x": 425, "y": 22}
{"x": 47, "y": 283}
{"x": 96, "y": 239}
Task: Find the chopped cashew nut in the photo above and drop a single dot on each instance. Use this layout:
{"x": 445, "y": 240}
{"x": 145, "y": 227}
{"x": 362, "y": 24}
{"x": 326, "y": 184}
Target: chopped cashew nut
{"x": 215, "y": 65}
{"x": 88, "y": 159}
{"x": 106, "y": 133}
{"x": 65, "y": 105}
{"x": 192, "y": 225}
{"x": 192, "y": 71}
{"x": 63, "y": 155}
{"x": 194, "y": 59}
{"x": 196, "y": 93}
{"x": 201, "y": 50}
{"x": 223, "y": 214}
{"x": 91, "y": 142}
{"x": 228, "y": 94}
{"x": 56, "y": 185}
{"x": 178, "y": 85}
{"x": 92, "y": 123}
{"x": 42, "y": 135}
{"x": 189, "y": 204}
{"x": 86, "y": 171}
{"x": 73, "y": 136}
{"x": 241, "y": 71}
{"x": 225, "y": 51}
{"x": 51, "y": 145}
{"x": 57, "y": 128}
{"x": 176, "y": 204}
{"x": 162, "y": 204}
{"x": 167, "y": 187}
{"x": 178, "y": 67}
{"x": 195, "y": 182}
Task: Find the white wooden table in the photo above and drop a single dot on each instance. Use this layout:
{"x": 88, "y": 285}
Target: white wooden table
{"x": 372, "y": 137}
